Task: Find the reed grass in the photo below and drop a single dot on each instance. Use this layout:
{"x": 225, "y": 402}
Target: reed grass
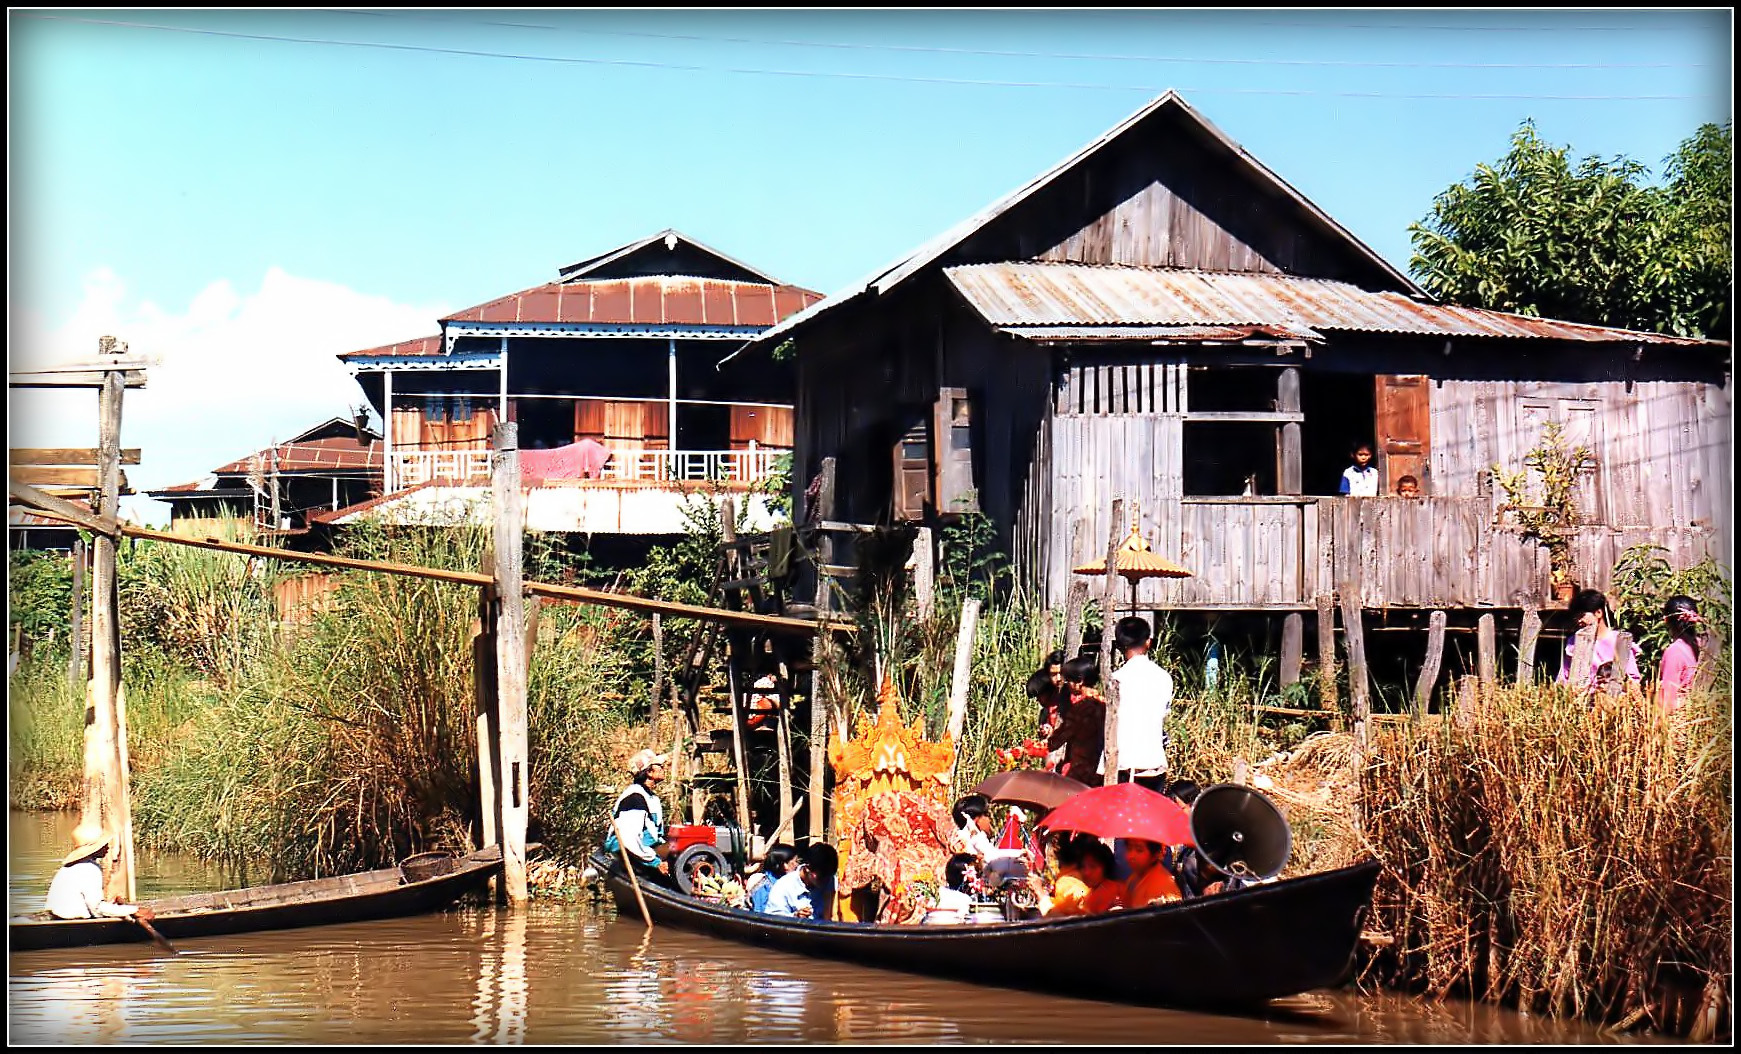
{"x": 1567, "y": 855}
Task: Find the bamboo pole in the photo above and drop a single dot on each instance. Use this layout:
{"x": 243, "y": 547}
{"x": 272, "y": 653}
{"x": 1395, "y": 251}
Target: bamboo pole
{"x": 510, "y": 519}
{"x": 1430, "y": 665}
{"x": 1109, "y": 619}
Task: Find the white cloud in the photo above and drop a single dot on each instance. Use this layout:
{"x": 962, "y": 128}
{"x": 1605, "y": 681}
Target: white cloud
{"x": 237, "y": 370}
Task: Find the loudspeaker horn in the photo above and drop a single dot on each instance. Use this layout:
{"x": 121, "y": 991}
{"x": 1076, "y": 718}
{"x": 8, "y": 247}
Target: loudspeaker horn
{"x": 1240, "y": 832}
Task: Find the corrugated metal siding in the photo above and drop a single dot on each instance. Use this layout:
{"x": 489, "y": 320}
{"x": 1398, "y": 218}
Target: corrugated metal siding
{"x": 1058, "y": 294}
{"x": 658, "y": 300}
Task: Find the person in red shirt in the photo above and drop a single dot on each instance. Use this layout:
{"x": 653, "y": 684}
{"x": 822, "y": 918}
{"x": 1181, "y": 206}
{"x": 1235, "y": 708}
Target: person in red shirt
{"x": 1081, "y": 731}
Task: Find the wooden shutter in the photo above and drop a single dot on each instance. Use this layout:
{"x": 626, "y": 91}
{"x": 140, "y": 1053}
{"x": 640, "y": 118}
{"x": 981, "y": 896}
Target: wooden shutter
{"x": 625, "y": 425}
{"x": 1404, "y": 404}
{"x": 589, "y": 420}
{"x": 767, "y": 425}
{"x": 912, "y": 474}
{"x": 952, "y": 432}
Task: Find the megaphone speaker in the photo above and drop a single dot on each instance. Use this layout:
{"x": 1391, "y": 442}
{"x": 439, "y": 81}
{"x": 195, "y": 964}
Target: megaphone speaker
{"x": 1240, "y": 832}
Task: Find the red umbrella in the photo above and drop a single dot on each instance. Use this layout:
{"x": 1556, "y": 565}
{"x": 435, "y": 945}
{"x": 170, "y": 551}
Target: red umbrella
{"x": 1123, "y": 810}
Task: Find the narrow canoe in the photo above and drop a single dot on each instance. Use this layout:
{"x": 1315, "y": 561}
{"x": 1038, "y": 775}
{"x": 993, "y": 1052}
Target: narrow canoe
{"x": 421, "y": 884}
{"x": 1227, "y": 950}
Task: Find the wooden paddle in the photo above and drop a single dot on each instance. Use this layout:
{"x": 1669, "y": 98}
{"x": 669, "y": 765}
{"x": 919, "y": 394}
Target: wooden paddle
{"x": 635, "y": 884}
{"x": 161, "y": 941}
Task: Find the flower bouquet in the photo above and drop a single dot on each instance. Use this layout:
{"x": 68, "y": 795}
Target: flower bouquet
{"x": 1028, "y": 754}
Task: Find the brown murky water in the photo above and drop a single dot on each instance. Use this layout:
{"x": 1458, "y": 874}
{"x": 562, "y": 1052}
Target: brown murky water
{"x": 562, "y": 973}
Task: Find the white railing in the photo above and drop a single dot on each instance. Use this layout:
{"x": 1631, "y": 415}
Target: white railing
{"x": 692, "y": 466}
{"x": 472, "y": 467}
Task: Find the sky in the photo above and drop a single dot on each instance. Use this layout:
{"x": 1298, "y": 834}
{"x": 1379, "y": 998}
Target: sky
{"x": 245, "y": 195}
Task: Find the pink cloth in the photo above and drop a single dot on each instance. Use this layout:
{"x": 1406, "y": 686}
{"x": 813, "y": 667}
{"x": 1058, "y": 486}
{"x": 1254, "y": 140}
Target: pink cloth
{"x": 1675, "y": 677}
{"x": 582, "y": 460}
{"x": 1602, "y": 655}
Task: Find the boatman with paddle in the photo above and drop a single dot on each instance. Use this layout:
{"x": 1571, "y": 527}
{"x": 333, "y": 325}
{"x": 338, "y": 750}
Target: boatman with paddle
{"x": 638, "y": 818}
{"x": 77, "y": 889}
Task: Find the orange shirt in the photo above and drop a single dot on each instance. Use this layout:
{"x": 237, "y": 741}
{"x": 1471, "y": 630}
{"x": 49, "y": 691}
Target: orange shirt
{"x": 1157, "y": 883}
{"x": 1069, "y": 896}
{"x": 1104, "y": 897}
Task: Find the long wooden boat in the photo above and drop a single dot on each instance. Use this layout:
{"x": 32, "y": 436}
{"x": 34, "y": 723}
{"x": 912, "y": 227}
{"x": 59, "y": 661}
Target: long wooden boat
{"x": 1230, "y": 949}
{"x": 420, "y": 884}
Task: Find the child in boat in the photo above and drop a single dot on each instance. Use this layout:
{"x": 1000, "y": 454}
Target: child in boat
{"x": 1091, "y": 890}
{"x": 780, "y": 859}
{"x": 1149, "y": 882}
{"x": 808, "y": 892}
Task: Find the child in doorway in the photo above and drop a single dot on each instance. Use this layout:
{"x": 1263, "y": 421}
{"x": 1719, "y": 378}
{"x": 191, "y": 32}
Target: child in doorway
{"x": 1360, "y": 480}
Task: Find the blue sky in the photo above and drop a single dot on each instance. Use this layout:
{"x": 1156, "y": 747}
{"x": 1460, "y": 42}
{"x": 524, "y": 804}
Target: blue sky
{"x": 245, "y": 208}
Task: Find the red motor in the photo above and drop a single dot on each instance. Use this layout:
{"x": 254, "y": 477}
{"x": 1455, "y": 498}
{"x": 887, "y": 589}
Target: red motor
{"x": 698, "y": 849}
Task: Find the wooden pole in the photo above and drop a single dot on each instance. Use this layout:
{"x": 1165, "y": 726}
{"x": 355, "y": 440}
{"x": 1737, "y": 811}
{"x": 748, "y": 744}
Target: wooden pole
{"x": 510, "y": 525}
{"x": 1583, "y": 649}
{"x": 658, "y": 674}
{"x": 105, "y": 794}
{"x": 740, "y": 758}
{"x": 1354, "y": 642}
{"x": 1430, "y": 665}
{"x": 1326, "y": 651}
{"x": 1074, "y": 601}
{"x": 924, "y": 573}
{"x": 1486, "y": 650}
{"x": 1617, "y": 679}
{"x": 635, "y": 884}
{"x": 1526, "y": 642}
{"x": 783, "y": 747}
{"x": 963, "y": 672}
{"x": 1108, "y": 620}
{"x": 76, "y": 672}
{"x": 818, "y": 711}
{"x": 487, "y": 718}
{"x": 1293, "y": 647}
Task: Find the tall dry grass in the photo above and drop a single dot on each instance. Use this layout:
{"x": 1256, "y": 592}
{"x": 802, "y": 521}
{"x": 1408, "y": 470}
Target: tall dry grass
{"x": 1569, "y": 855}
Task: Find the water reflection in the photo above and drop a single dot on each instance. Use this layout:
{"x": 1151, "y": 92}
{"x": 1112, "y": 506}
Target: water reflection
{"x": 574, "y": 974}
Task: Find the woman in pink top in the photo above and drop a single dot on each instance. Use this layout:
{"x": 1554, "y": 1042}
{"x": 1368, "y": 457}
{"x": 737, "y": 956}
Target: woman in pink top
{"x": 1680, "y": 663}
{"x": 1590, "y": 608}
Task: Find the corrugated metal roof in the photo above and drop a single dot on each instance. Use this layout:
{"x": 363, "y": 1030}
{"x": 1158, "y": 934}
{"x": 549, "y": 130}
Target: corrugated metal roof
{"x": 653, "y": 301}
{"x": 886, "y": 278}
{"x": 313, "y": 456}
{"x": 671, "y": 237}
{"x": 419, "y": 346}
{"x": 1059, "y": 294}
{"x": 1086, "y": 334}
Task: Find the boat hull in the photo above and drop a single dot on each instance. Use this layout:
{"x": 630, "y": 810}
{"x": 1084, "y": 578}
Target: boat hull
{"x": 1259, "y": 943}
{"x": 391, "y": 892}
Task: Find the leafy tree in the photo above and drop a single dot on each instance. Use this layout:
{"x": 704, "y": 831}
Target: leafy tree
{"x": 1591, "y": 242}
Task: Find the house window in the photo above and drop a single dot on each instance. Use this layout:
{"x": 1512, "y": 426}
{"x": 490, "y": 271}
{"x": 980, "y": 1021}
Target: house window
{"x": 435, "y": 409}
{"x": 462, "y": 408}
{"x": 1241, "y": 432}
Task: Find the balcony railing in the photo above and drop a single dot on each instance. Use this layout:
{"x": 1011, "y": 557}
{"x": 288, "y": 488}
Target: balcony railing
{"x": 652, "y": 467}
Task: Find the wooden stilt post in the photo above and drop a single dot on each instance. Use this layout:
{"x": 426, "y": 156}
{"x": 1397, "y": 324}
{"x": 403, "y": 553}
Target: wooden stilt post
{"x": 733, "y": 681}
{"x": 487, "y": 717}
{"x": 1617, "y": 680}
{"x": 783, "y": 748}
{"x": 76, "y": 672}
{"x": 105, "y": 800}
{"x": 1430, "y": 665}
{"x": 1293, "y": 647}
{"x": 818, "y": 711}
{"x": 510, "y": 521}
{"x": 1354, "y": 642}
{"x": 924, "y": 573}
{"x": 1074, "y": 601}
{"x": 1326, "y": 651}
{"x": 1583, "y": 650}
{"x": 963, "y": 672}
{"x": 1526, "y": 641}
{"x": 1486, "y": 650}
{"x": 1108, "y": 620}
{"x": 658, "y": 675}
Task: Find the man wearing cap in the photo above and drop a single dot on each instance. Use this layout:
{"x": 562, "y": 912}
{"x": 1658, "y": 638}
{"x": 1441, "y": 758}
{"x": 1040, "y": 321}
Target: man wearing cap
{"x": 77, "y": 889}
{"x": 638, "y": 818}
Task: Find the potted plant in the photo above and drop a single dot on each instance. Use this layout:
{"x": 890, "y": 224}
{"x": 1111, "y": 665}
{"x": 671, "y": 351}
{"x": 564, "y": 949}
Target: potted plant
{"x": 1552, "y": 520}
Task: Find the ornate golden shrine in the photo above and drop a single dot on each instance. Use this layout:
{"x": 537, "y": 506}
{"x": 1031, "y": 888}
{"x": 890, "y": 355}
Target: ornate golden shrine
{"x": 886, "y": 758}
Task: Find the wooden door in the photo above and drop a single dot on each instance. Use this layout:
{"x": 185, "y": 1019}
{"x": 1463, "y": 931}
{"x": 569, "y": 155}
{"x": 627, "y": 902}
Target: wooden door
{"x": 1404, "y": 413}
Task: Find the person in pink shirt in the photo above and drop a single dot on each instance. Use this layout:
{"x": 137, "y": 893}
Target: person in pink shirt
{"x": 1680, "y": 662}
{"x": 1590, "y": 608}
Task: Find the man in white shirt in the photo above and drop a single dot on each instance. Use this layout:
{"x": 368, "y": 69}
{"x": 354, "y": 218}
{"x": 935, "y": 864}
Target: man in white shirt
{"x": 76, "y": 891}
{"x": 807, "y": 893}
{"x": 1145, "y": 694}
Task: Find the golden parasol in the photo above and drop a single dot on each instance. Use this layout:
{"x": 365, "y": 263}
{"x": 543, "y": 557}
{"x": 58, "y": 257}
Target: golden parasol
{"x": 1136, "y": 561}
